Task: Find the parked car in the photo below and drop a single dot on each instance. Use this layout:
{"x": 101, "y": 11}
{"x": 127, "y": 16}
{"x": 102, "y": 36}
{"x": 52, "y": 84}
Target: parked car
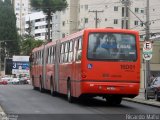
{"x": 153, "y": 91}
{"x": 15, "y": 81}
{"x": 23, "y": 80}
{"x": 3, "y": 82}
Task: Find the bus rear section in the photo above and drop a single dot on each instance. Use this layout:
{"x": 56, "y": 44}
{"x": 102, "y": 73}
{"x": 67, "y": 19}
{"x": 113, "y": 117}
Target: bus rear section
{"x": 111, "y": 64}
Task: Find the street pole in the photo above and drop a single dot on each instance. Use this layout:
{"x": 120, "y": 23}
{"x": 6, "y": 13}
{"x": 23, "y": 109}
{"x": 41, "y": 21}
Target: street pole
{"x": 96, "y": 17}
{"x": 147, "y": 24}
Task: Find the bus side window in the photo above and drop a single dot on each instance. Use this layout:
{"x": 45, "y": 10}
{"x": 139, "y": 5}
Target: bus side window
{"x": 36, "y": 60}
{"x": 51, "y": 56}
{"x": 70, "y": 55}
{"x": 47, "y": 56}
{"x": 62, "y": 53}
{"x": 79, "y": 49}
{"x": 66, "y": 52}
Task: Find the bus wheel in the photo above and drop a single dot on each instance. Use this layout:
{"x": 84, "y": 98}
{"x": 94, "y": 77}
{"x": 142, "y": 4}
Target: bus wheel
{"x": 40, "y": 87}
{"x": 114, "y": 100}
{"x": 69, "y": 96}
{"x": 53, "y": 93}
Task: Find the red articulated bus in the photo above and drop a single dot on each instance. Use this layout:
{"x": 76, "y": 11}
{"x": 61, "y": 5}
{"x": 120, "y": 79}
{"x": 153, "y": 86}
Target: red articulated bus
{"x": 93, "y": 62}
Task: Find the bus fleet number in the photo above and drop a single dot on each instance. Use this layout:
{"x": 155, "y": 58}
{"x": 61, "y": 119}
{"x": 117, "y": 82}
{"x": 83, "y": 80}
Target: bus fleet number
{"x": 128, "y": 67}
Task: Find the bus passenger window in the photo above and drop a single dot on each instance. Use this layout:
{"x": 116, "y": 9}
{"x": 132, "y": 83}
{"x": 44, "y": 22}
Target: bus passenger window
{"x": 79, "y": 49}
{"x": 70, "y": 56}
{"x": 62, "y": 53}
{"x": 66, "y": 53}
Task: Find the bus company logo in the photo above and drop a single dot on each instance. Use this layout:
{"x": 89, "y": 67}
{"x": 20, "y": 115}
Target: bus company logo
{"x": 90, "y": 66}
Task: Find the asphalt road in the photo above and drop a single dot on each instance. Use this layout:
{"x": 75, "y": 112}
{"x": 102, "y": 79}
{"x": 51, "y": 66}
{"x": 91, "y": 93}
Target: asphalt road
{"x": 23, "y": 102}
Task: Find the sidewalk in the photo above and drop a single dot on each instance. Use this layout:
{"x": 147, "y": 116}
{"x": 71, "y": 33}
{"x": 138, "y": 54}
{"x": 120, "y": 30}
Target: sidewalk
{"x": 141, "y": 99}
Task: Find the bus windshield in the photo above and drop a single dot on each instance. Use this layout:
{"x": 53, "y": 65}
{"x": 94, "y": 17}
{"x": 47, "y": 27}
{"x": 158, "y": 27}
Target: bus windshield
{"x": 112, "y": 46}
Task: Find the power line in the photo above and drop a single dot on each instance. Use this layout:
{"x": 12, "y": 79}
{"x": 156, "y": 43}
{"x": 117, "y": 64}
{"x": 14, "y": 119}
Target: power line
{"x": 96, "y": 16}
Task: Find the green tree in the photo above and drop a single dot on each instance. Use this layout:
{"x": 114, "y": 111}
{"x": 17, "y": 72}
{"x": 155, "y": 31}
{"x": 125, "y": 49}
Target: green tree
{"x": 28, "y": 44}
{"x": 49, "y": 7}
{"x": 8, "y": 30}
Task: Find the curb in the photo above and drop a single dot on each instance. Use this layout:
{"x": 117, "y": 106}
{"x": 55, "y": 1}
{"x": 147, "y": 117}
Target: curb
{"x": 2, "y": 114}
{"x": 142, "y": 101}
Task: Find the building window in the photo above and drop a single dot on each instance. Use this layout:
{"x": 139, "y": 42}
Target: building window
{"x": 38, "y": 34}
{"x": 106, "y": 19}
{"x": 115, "y": 8}
{"x": 123, "y": 24}
{"x": 36, "y": 27}
{"x": 122, "y": 11}
{"x": 125, "y": 13}
{"x": 63, "y": 35}
{"x": 135, "y": 22}
{"x": 86, "y": 7}
{"x": 85, "y": 20}
{"x": 115, "y": 21}
{"x": 17, "y": 9}
{"x": 63, "y": 23}
{"x": 136, "y": 10}
{"x": 142, "y": 11}
{"x": 38, "y": 20}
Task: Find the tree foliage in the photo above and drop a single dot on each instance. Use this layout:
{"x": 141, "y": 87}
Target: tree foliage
{"x": 46, "y": 5}
{"x": 8, "y": 31}
{"x": 28, "y": 44}
{"x": 49, "y": 7}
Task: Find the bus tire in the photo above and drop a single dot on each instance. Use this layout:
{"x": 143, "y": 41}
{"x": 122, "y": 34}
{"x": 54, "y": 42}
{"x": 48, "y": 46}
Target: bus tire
{"x": 69, "y": 95}
{"x": 41, "y": 87}
{"x": 53, "y": 93}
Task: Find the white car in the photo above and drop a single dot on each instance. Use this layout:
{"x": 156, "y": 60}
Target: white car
{"x": 15, "y": 81}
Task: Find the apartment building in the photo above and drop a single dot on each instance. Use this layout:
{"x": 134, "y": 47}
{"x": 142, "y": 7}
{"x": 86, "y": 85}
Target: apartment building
{"x": 69, "y": 18}
{"x": 36, "y": 25}
{"x": 21, "y": 8}
{"x": 82, "y": 14}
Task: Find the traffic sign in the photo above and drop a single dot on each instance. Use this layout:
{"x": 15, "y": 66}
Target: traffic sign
{"x": 147, "y": 56}
{"x": 147, "y": 50}
{"x": 147, "y": 46}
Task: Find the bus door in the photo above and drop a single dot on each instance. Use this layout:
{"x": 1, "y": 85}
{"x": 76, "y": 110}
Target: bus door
{"x": 77, "y": 65}
{"x": 56, "y": 69}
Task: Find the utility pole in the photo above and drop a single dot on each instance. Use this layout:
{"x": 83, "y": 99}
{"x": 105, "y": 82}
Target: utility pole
{"x": 147, "y": 25}
{"x": 96, "y": 16}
